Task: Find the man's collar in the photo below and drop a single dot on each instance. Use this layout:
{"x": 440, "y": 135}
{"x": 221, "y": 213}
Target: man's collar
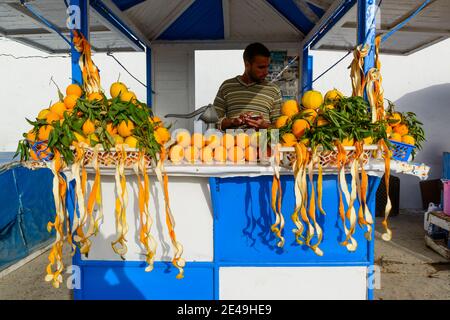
{"x": 239, "y": 78}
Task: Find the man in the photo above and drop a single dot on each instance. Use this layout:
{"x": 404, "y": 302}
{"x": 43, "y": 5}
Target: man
{"x": 249, "y": 101}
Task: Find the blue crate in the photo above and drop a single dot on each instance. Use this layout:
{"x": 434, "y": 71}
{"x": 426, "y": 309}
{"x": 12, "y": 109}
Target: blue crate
{"x": 401, "y": 151}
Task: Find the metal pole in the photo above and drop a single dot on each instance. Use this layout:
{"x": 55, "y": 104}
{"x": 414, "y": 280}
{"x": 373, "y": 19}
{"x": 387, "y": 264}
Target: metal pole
{"x": 307, "y": 71}
{"x": 367, "y": 29}
{"x": 366, "y": 34}
{"x": 78, "y": 13}
{"x": 148, "y": 52}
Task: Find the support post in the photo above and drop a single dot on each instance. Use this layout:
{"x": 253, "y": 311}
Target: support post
{"x": 148, "y": 53}
{"x": 307, "y": 71}
{"x": 367, "y": 29}
{"x": 78, "y": 13}
{"x": 366, "y": 34}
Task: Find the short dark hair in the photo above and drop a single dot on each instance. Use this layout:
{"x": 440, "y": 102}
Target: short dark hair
{"x": 255, "y": 49}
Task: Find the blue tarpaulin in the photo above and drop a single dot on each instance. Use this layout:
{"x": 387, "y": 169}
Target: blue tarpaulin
{"x": 26, "y": 207}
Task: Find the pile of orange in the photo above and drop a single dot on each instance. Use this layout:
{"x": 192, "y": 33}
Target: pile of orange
{"x": 302, "y": 116}
{"x": 397, "y": 130}
{"x": 214, "y": 148}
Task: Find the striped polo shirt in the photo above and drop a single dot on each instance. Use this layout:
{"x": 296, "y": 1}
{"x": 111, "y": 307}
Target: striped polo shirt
{"x": 235, "y": 97}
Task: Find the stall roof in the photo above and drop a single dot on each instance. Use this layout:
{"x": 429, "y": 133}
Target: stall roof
{"x": 227, "y": 21}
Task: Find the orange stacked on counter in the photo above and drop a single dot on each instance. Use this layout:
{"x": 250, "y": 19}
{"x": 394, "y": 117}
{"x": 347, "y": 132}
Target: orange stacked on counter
{"x": 214, "y": 148}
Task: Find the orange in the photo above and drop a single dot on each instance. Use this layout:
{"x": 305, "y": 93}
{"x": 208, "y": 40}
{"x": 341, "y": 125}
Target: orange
{"x": 198, "y": 140}
{"x": 52, "y": 117}
{"x": 236, "y": 154}
{"x": 207, "y": 155}
{"x": 395, "y": 119}
{"x": 183, "y": 138}
{"x": 289, "y": 108}
{"x": 95, "y": 96}
{"x": 131, "y": 141}
{"x": 333, "y": 95}
{"x": 118, "y": 139}
{"x": 162, "y": 135}
{"x": 59, "y": 109}
{"x": 220, "y": 154}
{"x": 191, "y": 154}
{"x": 88, "y": 127}
{"x": 79, "y": 138}
{"x": 322, "y": 122}
{"x": 368, "y": 141}
{"x": 74, "y": 89}
{"x": 242, "y": 140}
{"x": 128, "y": 96}
{"x": 176, "y": 153}
{"x": 310, "y": 115}
{"x": 117, "y": 88}
{"x": 408, "y": 139}
{"x": 31, "y": 136}
{"x": 255, "y": 139}
{"x": 288, "y": 140}
{"x": 43, "y": 114}
{"x": 212, "y": 140}
{"x": 401, "y": 129}
{"x": 251, "y": 154}
{"x": 156, "y": 121}
{"x": 281, "y": 121}
{"x": 70, "y": 101}
{"x": 228, "y": 141}
{"x": 388, "y": 130}
{"x": 348, "y": 142}
{"x": 125, "y": 128}
{"x": 396, "y": 137}
{"x": 44, "y": 132}
{"x": 299, "y": 127}
{"x": 111, "y": 129}
{"x": 312, "y": 99}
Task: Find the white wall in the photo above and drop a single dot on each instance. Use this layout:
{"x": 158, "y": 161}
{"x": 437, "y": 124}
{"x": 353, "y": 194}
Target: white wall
{"x": 25, "y": 86}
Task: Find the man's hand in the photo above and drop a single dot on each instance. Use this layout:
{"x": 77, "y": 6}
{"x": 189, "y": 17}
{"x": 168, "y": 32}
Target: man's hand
{"x": 256, "y": 122}
{"x": 228, "y": 123}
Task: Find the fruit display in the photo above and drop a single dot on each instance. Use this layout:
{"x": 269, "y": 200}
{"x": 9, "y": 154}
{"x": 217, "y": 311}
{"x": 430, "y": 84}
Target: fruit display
{"x": 216, "y": 148}
{"x": 88, "y": 129}
{"x": 404, "y": 127}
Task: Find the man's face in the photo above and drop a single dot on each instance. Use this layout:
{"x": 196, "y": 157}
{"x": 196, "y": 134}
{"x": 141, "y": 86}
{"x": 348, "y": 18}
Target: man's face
{"x": 258, "y": 69}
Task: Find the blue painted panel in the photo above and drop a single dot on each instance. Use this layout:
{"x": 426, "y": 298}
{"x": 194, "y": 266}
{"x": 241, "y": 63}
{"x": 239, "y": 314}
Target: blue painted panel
{"x": 126, "y": 4}
{"x": 129, "y": 281}
{"x": 243, "y": 217}
{"x": 292, "y": 13}
{"x": 38, "y": 207}
{"x": 27, "y": 207}
{"x": 203, "y": 20}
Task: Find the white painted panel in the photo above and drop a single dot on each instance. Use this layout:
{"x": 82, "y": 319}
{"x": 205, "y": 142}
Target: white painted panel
{"x": 191, "y": 207}
{"x": 292, "y": 283}
{"x": 172, "y": 78}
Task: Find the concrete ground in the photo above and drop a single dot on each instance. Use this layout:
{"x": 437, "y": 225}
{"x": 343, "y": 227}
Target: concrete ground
{"x": 409, "y": 270}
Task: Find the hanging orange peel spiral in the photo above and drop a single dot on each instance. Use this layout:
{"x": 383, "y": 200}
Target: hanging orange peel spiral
{"x": 312, "y": 209}
{"x": 298, "y": 169}
{"x": 145, "y": 236}
{"x": 357, "y": 74}
{"x": 90, "y": 73}
{"x": 119, "y": 246}
{"x": 162, "y": 177}
{"x": 387, "y": 236}
{"x": 350, "y": 214}
{"x": 364, "y": 215}
{"x": 56, "y": 266}
{"x": 278, "y": 226}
